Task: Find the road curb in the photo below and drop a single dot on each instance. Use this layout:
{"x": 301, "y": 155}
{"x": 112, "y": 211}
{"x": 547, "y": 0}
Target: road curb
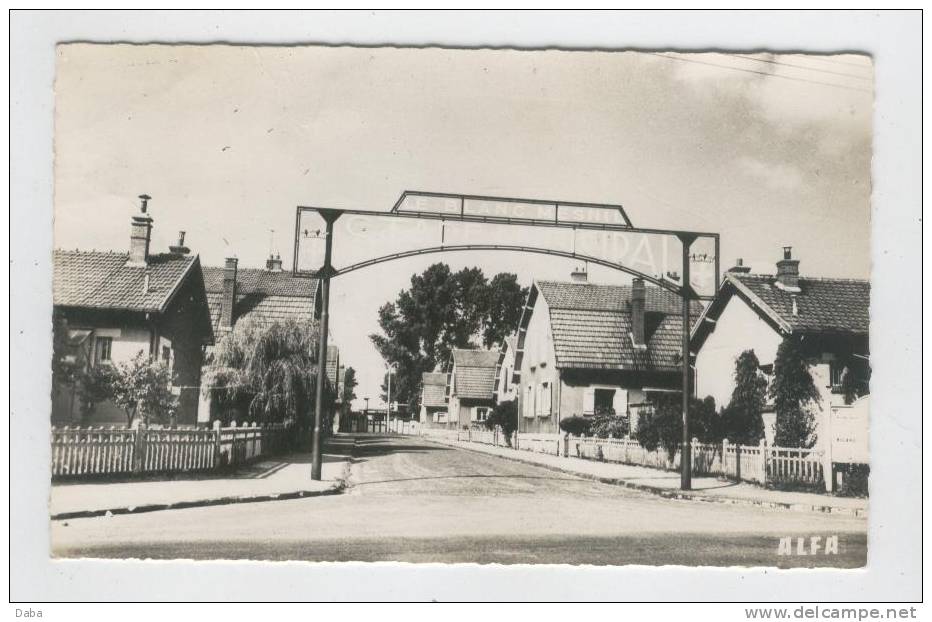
{"x": 335, "y": 489}
{"x": 676, "y": 494}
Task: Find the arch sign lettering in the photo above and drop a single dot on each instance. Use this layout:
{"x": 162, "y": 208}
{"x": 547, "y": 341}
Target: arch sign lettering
{"x": 422, "y": 223}
{"x": 330, "y": 242}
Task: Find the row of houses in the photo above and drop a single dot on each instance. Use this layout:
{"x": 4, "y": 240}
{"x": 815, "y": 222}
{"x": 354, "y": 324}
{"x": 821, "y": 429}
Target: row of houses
{"x": 168, "y": 306}
{"x": 583, "y": 349}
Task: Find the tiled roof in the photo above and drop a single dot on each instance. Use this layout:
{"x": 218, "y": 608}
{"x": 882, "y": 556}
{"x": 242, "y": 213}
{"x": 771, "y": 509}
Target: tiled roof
{"x": 474, "y": 373}
{"x": 433, "y": 389}
{"x": 475, "y": 358}
{"x": 823, "y": 305}
{"x": 591, "y": 326}
{"x": 103, "y": 280}
{"x": 595, "y": 297}
{"x": 262, "y": 296}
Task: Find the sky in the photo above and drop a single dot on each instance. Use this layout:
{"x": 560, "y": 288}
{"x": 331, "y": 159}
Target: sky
{"x": 766, "y": 150}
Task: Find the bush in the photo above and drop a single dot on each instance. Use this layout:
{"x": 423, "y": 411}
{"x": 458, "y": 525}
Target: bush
{"x": 662, "y": 426}
{"x": 609, "y": 426}
{"x": 576, "y": 426}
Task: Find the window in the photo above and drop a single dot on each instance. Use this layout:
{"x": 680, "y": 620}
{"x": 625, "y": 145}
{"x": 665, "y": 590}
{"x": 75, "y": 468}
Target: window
{"x": 836, "y": 372}
{"x": 166, "y": 355}
{"x": 544, "y": 399}
{"x": 102, "y": 349}
{"x": 604, "y": 401}
{"x": 482, "y": 414}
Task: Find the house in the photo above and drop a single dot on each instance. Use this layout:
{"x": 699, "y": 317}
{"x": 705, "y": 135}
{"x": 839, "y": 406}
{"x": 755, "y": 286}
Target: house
{"x": 472, "y": 386}
{"x": 505, "y": 387}
{"x": 118, "y": 304}
{"x": 260, "y": 296}
{"x": 585, "y": 349}
{"x": 433, "y": 412}
{"x": 831, "y": 317}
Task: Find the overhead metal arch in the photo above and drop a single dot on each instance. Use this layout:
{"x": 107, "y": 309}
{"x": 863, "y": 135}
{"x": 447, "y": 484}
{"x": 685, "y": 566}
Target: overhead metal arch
{"x": 510, "y": 212}
{"x": 676, "y": 289}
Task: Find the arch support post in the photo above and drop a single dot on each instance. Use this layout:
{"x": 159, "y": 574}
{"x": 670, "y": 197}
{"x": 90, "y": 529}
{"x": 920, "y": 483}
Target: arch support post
{"x": 686, "y": 462}
{"x": 324, "y": 274}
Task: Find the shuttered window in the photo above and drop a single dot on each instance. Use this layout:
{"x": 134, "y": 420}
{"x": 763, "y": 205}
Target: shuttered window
{"x": 588, "y": 400}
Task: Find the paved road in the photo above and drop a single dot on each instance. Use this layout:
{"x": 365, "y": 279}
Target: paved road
{"x": 417, "y": 501}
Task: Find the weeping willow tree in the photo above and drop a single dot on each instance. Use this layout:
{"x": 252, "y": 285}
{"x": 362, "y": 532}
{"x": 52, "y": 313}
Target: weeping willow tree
{"x": 267, "y": 372}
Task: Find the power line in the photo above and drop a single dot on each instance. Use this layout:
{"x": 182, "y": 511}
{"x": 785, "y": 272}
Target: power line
{"x": 785, "y": 64}
{"x": 760, "y": 73}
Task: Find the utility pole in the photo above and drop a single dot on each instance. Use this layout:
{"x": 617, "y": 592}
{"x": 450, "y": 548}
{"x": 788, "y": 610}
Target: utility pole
{"x": 388, "y": 411}
{"x": 325, "y": 273}
{"x": 686, "y": 462}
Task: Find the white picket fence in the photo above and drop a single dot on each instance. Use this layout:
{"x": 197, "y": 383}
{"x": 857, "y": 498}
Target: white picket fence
{"x": 761, "y": 464}
{"x": 115, "y": 451}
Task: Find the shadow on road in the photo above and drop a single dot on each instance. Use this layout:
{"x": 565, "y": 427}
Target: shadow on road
{"x": 474, "y": 476}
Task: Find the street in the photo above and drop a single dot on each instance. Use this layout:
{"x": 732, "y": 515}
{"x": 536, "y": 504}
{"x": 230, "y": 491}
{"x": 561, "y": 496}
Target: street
{"x": 413, "y": 500}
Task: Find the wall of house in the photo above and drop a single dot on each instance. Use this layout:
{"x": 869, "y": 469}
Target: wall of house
{"x": 507, "y": 390}
{"x": 538, "y": 366}
{"x": 738, "y": 329}
{"x": 128, "y": 341}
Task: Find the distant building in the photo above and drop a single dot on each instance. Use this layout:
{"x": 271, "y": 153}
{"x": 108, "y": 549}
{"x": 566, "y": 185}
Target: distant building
{"x": 472, "y": 386}
{"x": 433, "y": 413}
{"x": 118, "y": 304}
{"x": 505, "y": 387}
{"x": 585, "y": 349}
{"x": 831, "y": 318}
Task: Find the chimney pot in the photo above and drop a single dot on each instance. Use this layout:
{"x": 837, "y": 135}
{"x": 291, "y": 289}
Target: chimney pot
{"x": 788, "y": 271}
{"x": 740, "y": 267}
{"x": 273, "y": 263}
{"x": 140, "y": 234}
{"x": 229, "y": 292}
{"x": 179, "y": 248}
{"x": 638, "y": 296}
{"x": 579, "y": 275}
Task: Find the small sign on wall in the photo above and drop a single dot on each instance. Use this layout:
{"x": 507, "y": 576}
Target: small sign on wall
{"x": 849, "y": 432}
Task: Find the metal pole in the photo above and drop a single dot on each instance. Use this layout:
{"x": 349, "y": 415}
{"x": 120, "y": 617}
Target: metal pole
{"x": 322, "y": 349}
{"x": 686, "y": 462}
{"x": 388, "y": 411}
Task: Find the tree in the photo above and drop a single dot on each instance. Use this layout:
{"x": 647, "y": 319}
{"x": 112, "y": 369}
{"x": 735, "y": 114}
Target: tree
{"x": 794, "y": 395}
{"x": 349, "y": 388}
{"x": 504, "y": 415}
{"x": 505, "y": 304}
{"x": 93, "y": 385}
{"x": 143, "y": 386}
{"x": 662, "y": 424}
{"x": 270, "y": 371}
{"x": 742, "y": 418}
{"x": 443, "y": 310}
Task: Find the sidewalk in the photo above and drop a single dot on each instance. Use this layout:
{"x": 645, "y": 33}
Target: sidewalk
{"x": 667, "y": 483}
{"x": 285, "y": 477}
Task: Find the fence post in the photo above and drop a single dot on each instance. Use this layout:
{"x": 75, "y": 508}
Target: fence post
{"x": 765, "y": 460}
{"x": 216, "y": 428}
{"x": 724, "y": 454}
{"x": 139, "y": 448}
{"x": 566, "y": 445}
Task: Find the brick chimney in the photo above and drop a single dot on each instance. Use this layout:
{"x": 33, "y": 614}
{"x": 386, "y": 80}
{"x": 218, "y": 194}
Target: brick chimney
{"x": 739, "y": 267}
{"x": 140, "y": 234}
{"x": 274, "y": 263}
{"x": 229, "y": 292}
{"x": 579, "y": 275}
{"x": 179, "y": 248}
{"x": 638, "y": 295}
{"x": 788, "y": 271}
